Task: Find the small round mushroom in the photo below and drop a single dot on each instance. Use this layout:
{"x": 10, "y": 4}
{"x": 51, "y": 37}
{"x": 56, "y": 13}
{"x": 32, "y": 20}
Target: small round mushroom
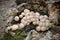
{"x": 43, "y": 24}
{"x": 37, "y": 22}
{"x": 23, "y": 13}
{"x": 16, "y": 18}
{"x": 20, "y": 16}
{"x": 40, "y": 23}
{"x": 41, "y": 17}
{"x": 34, "y": 23}
{"x": 8, "y": 28}
{"x": 28, "y": 23}
{"x": 26, "y": 11}
{"x": 47, "y": 24}
{"x": 14, "y": 27}
{"x": 45, "y": 16}
{"x": 43, "y": 28}
{"x": 37, "y": 14}
{"x": 32, "y": 19}
{"x": 24, "y": 18}
{"x": 27, "y": 14}
{"x": 25, "y": 23}
{"x": 31, "y": 13}
{"x": 42, "y": 20}
{"x": 21, "y": 25}
{"x": 38, "y": 28}
{"x": 28, "y": 17}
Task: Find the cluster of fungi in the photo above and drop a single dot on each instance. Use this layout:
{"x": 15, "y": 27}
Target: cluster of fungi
{"x": 42, "y": 21}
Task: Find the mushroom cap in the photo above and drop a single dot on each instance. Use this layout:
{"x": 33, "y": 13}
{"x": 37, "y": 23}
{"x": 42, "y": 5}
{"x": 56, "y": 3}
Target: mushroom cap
{"x": 26, "y": 11}
{"x": 44, "y": 24}
{"x": 45, "y": 16}
{"x": 16, "y": 18}
{"x": 8, "y": 28}
{"x": 14, "y": 27}
{"x": 21, "y": 25}
{"x": 24, "y": 18}
{"x": 40, "y": 23}
{"x": 34, "y": 23}
{"x": 20, "y": 16}
{"x": 38, "y": 28}
{"x": 37, "y": 14}
{"x": 43, "y": 20}
{"x": 41, "y": 17}
{"x": 43, "y": 28}
{"x": 23, "y": 13}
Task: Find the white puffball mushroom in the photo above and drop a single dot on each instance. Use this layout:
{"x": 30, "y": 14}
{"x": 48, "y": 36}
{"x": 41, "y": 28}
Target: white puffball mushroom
{"x": 47, "y": 24}
{"x": 14, "y": 27}
{"x": 31, "y": 13}
{"x": 41, "y": 17}
{"x": 16, "y": 18}
{"x": 34, "y": 23}
{"x": 32, "y": 19}
{"x": 37, "y": 22}
{"x": 38, "y": 28}
{"x": 27, "y": 14}
{"x": 28, "y": 17}
{"x": 43, "y": 28}
{"x": 47, "y": 21}
{"x": 25, "y": 23}
{"x": 37, "y": 14}
{"x": 40, "y": 23}
{"x": 22, "y": 21}
{"x": 31, "y": 16}
{"x": 20, "y": 16}
{"x": 23, "y": 13}
{"x": 45, "y": 16}
{"x": 26, "y": 11}
{"x": 21, "y": 25}
{"x": 28, "y": 23}
{"x": 42, "y": 20}
{"x": 8, "y": 28}
{"x": 44, "y": 24}
{"x": 24, "y": 18}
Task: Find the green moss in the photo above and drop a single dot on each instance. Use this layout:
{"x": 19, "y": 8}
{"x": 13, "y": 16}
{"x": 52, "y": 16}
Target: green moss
{"x": 35, "y": 7}
{"x": 20, "y": 35}
{"x": 11, "y": 13}
{"x": 8, "y": 36}
{"x": 51, "y": 24}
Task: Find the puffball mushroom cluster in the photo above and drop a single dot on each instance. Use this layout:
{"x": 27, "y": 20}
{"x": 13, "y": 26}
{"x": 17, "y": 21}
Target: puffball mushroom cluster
{"x": 29, "y": 16}
{"x": 13, "y": 27}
